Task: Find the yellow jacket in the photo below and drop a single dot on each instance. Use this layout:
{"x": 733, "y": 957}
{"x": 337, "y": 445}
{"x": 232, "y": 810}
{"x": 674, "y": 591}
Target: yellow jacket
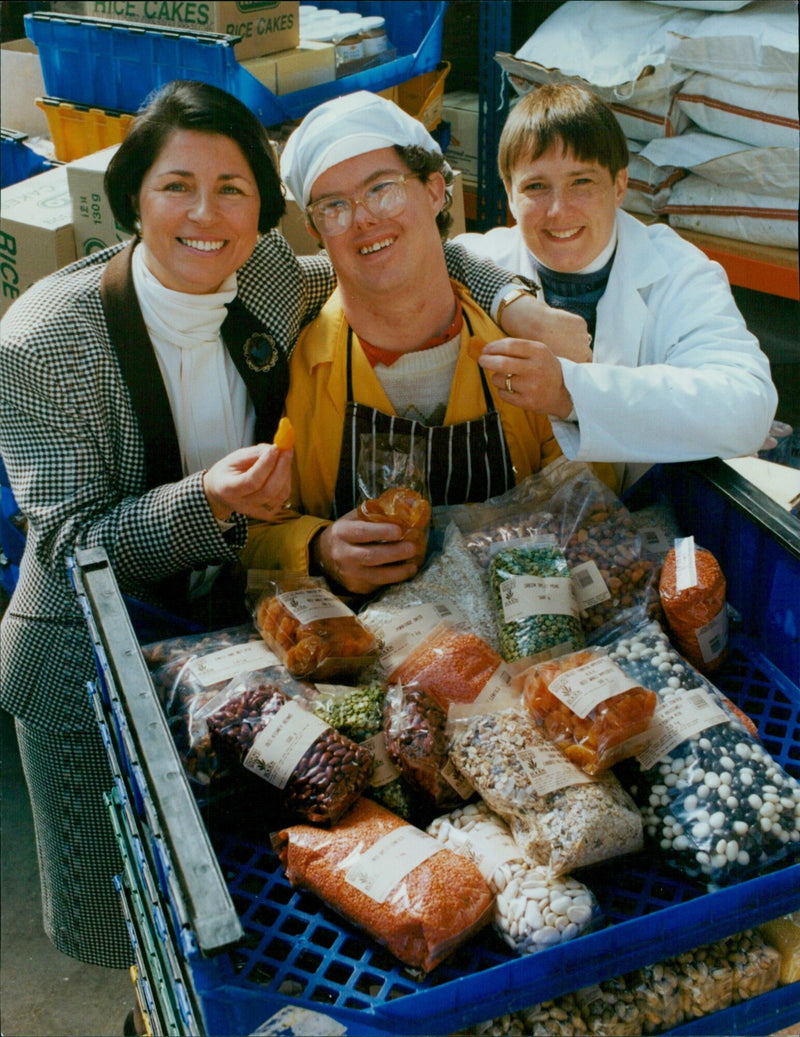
{"x": 316, "y": 405}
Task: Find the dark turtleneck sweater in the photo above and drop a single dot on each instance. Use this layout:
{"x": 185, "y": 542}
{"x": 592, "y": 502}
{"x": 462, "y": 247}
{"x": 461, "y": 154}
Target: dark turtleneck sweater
{"x": 578, "y": 293}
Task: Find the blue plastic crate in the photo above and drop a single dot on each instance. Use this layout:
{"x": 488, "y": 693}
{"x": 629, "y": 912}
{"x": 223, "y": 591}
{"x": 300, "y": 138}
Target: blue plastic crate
{"x": 296, "y": 951}
{"x": 12, "y": 539}
{"x": 116, "y": 65}
{"x": 17, "y": 160}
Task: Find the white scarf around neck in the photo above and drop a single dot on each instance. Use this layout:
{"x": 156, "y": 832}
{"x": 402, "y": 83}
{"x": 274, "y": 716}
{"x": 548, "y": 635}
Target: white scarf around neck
{"x": 211, "y": 409}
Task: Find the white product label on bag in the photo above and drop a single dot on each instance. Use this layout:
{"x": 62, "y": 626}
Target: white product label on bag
{"x": 548, "y": 770}
{"x": 229, "y": 662}
{"x": 384, "y": 771}
{"x": 685, "y": 564}
{"x": 496, "y": 695}
{"x": 386, "y": 863}
{"x": 713, "y": 637}
{"x": 524, "y": 596}
{"x": 682, "y": 716}
{"x": 585, "y": 687}
{"x": 410, "y": 628}
{"x": 312, "y": 604}
{"x": 277, "y": 750}
{"x": 589, "y": 586}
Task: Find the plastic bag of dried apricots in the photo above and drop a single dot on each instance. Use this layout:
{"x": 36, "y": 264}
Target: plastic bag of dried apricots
{"x": 692, "y": 592}
{"x": 589, "y": 708}
{"x": 313, "y": 633}
{"x": 392, "y": 485}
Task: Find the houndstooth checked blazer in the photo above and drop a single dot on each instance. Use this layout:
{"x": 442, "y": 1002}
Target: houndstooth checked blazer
{"x": 75, "y": 455}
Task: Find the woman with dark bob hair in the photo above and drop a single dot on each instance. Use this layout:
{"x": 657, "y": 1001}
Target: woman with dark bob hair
{"x": 140, "y": 388}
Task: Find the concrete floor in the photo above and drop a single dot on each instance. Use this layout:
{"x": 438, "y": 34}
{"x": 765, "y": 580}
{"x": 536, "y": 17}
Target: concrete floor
{"x": 43, "y": 993}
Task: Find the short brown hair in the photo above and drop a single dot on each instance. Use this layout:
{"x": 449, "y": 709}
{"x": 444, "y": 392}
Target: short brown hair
{"x": 579, "y": 119}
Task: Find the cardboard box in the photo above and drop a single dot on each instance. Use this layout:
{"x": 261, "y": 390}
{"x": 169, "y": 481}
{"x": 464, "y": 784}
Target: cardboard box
{"x": 308, "y": 65}
{"x": 21, "y": 81}
{"x": 265, "y": 27}
{"x": 94, "y": 225}
{"x": 460, "y": 108}
{"x": 36, "y": 235}
{"x": 293, "y": 224}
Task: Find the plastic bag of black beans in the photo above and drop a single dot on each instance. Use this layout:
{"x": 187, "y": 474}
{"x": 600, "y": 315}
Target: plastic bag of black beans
{"x": 316, "y": 772}
{"x": 188, "y": 672}
{"x": 714, "y": 802}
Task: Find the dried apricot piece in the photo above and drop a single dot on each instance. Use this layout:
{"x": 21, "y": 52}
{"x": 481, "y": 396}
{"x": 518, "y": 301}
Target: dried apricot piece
{"x": 284, "y": 435}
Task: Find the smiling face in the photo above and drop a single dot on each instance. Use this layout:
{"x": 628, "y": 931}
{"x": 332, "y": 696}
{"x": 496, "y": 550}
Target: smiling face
{"x": 199, "y": 206}
{"x": 565, "y": 207}
{"x": 378, "y": 255}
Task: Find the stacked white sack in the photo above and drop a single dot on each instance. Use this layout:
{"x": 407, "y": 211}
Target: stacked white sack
{"x": 741, "y": 95}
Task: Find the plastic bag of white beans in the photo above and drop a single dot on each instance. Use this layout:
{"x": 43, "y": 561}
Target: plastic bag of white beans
{"x": 533, "y": 910}
{"x": 715, "y": 803}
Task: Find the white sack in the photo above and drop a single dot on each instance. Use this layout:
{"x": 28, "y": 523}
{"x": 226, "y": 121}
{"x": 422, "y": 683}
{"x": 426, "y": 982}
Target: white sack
{"x": 765, "y": 116}
{"x": 756, "y": 46}
{"x": 729, "y": 163}
{"x": 697, "y": 204}
{"x": 649, "y": 183}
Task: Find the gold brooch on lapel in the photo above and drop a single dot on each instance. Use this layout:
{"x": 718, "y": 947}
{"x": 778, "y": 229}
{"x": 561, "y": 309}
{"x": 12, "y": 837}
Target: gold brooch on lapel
{"x": 260, "y": 352}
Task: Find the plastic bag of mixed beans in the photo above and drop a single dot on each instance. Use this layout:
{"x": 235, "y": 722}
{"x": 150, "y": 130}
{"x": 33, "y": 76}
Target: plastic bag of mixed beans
{"x": 714, "y": 802}
{"x": 613, "y": 576}
{"x": 316, "y": 772}
{"x": 560, "y": 817}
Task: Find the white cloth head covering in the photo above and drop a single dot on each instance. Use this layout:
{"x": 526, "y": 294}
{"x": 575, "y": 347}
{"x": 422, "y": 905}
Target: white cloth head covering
{"x": 344, "y": 128}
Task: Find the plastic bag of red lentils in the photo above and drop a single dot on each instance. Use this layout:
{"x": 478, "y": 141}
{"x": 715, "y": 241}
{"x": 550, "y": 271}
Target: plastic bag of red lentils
{"x": 692, "y": 592}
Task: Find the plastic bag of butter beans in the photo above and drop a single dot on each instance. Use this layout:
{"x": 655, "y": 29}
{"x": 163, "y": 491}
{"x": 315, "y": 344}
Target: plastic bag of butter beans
{"x": 713, "y": 800}
{"x": 532, "y": 910}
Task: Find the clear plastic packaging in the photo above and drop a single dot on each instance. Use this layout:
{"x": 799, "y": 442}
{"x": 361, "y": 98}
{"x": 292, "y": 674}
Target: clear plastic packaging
{"x": 588, "y": 707}
{"x": 415, "y": 728}
{"x": 534, "y": 600}
{"x": 692, "y": 592}
{"x": 316, "y": 772}
{"x": 612, "y": 575}
{"x": 714, "y": 803}
{"x": 312, "y": 631}
{"x": 398, "y": 884}
{"x": 533, "y": 911}
{"x": 357, "y": 713}
{"x": 189, "y": 671}
{"x": 559, "y": 817}
{"x": 451, "y": 578}
{"x": 450, "y": 664}
{"x": 784, "y": 935}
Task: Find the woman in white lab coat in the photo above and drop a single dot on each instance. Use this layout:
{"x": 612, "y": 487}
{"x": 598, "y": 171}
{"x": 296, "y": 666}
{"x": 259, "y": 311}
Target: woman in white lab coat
{"x": 675, "y": 374}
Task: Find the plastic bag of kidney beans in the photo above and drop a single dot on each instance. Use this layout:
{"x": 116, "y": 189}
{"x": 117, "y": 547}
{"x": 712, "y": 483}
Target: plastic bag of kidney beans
{"x": 188, "y": 672}
{"x": 415, "y": 728}
{"x": 713, "y": 800}
{"x": 317, "y": 772}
